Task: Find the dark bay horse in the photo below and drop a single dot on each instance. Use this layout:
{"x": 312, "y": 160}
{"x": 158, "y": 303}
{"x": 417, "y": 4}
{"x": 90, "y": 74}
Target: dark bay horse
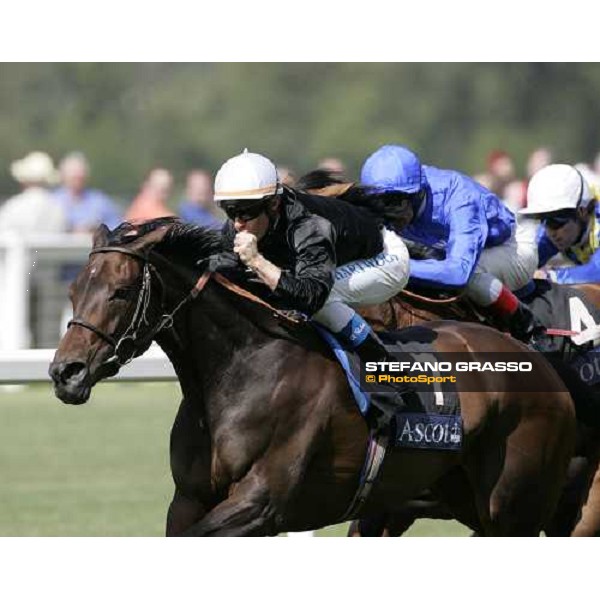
{"x": 268, "y": 437}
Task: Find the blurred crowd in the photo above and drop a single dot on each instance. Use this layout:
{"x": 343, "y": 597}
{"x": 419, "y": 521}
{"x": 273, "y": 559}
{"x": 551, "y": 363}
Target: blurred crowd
{"x": 500, "y": 175}
{"x": 59, "y": 199}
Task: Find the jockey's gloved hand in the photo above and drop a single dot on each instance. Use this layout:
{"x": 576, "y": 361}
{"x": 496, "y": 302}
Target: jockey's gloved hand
{"x": 419, "y": 251}
{"x": 217, "y": 263}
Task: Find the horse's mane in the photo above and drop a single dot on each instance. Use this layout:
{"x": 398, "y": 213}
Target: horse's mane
{"x": 319, "y": 178}
{"x": 382, "y": 206}
{"x": 128, "y": 232}
{"x": 184, "y": 242}
{"x": 357, "y": 194}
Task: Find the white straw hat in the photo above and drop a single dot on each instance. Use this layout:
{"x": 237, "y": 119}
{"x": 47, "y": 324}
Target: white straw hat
{"x": 36, "y": 167}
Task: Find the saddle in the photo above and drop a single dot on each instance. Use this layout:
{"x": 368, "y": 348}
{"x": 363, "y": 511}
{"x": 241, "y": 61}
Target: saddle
{"x": 409, "y": 308}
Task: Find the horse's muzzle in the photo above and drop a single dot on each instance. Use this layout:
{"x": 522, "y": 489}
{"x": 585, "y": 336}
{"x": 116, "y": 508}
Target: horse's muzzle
{"x": 72, "y": 382}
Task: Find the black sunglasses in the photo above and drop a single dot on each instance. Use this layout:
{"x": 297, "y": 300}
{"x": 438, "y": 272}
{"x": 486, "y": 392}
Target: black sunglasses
{"x": 557, "y": 221}
{"x": 244, "y": 212}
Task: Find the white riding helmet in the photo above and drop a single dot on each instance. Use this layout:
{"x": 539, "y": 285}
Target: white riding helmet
{"x": 554, "y": 188}
{"x": 247, "y": 176}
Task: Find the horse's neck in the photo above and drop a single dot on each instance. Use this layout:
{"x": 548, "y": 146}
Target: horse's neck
{"x": 204, "y": 337}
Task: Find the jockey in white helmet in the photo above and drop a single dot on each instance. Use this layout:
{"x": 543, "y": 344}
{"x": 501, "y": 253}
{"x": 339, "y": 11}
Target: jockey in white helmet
{"x": 320, "y": 256}
{"x": 568, "y": 208}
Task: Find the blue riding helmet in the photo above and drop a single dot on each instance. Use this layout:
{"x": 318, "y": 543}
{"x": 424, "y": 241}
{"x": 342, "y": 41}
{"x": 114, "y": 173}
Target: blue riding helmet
{"x": 393, "y": 169}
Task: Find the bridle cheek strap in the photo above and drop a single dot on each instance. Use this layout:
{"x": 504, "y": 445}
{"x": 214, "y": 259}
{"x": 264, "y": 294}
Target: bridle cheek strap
{"x": 124, "y": 353}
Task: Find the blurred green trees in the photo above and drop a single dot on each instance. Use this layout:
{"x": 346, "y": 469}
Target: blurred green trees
{"x": 130, "y": 117}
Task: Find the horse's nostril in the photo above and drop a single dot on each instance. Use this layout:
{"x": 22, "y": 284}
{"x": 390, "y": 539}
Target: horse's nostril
{"x": 63, "y": 373}
{"x": 72, "y": 369}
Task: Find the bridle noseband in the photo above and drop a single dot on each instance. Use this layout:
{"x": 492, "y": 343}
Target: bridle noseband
{"x": 125, "y": 349}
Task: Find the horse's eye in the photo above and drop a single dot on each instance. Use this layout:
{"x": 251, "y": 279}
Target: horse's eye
{"x": 122, "y": 294}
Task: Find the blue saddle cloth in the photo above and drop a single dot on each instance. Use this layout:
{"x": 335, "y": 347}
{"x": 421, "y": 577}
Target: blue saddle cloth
{"x": 351, "y": 365}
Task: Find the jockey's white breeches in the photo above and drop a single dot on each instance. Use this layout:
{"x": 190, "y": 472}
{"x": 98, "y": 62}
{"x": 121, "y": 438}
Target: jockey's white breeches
{"x": 366, "y": 281}
{"x": 511, "y": 264}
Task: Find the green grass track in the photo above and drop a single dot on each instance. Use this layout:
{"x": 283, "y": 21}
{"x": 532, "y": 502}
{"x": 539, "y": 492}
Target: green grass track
{"x": 101, "y": 469}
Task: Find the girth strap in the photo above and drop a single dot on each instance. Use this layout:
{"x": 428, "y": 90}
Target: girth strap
{"x": 376, "y": 450}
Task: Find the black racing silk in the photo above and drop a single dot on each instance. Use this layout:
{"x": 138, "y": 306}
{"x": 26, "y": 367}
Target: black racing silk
{"x": 312, "y": 236}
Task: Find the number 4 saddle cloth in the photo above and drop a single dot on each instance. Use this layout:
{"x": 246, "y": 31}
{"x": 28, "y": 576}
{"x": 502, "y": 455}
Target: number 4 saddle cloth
{"x": 567, "y": 309}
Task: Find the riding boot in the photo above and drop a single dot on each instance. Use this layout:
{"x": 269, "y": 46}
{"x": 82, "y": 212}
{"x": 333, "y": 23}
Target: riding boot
{"x": 524, "y": 326}
{"x": 372, "y": 349}
{"x": 510, "y": 314}
{"x": 357, "y": 336}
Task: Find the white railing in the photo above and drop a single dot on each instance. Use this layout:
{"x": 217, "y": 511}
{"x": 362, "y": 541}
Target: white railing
{"x": 31, "y": 366}
{"x": 19, "y": 255}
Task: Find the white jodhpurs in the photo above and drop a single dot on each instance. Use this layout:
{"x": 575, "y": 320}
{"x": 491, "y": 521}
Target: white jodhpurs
{"x": 512, "y": 264}
{"x": 366, "y": 281}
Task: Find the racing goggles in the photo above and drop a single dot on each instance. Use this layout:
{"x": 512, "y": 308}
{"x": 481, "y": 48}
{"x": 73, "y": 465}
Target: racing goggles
{"x": 244, "y": 210}
{"x": 558, "y": 220}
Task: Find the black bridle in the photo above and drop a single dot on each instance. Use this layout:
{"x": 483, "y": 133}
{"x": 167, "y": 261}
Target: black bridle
{"x": 126, "y": 348}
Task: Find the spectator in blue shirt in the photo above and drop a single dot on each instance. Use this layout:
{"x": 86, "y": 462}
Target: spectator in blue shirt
{"x": 85, "y": 208}
{"x": 197, "y": 205}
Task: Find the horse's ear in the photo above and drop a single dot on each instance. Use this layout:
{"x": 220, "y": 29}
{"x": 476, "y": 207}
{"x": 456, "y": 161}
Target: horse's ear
{"x": 100, "y": 236}
{"x": 146, "y": 242}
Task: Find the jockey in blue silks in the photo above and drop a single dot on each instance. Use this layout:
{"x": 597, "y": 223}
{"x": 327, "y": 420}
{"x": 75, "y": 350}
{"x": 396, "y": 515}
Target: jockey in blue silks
{"x": 473, "y": 229}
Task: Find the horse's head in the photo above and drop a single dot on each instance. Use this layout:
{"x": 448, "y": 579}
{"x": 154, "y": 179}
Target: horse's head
{"x": 112, "y": 313}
